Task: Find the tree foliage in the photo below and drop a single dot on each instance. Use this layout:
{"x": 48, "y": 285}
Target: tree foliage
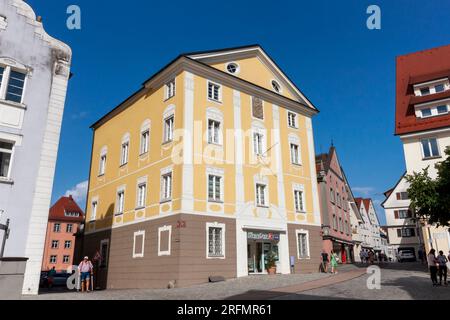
{"x": 430, "y": 199}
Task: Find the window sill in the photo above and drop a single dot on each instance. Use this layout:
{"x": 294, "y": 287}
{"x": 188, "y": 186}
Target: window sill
{"x": 431, "y": 158}
{"x": 168, "y": 98}
{"x": 167, "y": 142}
{"x": 215, "y": 201}
{"x": 123, "y": 165}
{"x": 144, "y": 154}
{"x": 262, "y": 206}
{"x": 215, "y": 144}
{"x": 291, "y": 127}
{"x": 300, "y": 212}
{"x": 101, "y": 175}
{"x": 140, "y": 208}
{"x": 215, "y": 101}
{"x": 118, "y": 214}
{"x": 165, "y": 201}
{"x": 6, "y": 181}
{"x": 14, "y": 104}
{"x": 216, "y": 257}
{"x": 296, "y": 164}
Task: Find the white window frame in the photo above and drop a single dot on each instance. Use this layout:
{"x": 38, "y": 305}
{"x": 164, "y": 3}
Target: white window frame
{"x": 55, "y": 246}
{"x": 274, "y": 82}
{"x": 56, "y": 259}
{"x": 299, "y": 188}
{"x": 144, "y": 144}
{"x": 170, "y": 89}
{"x": 11, "y": 152}
{"x": 64, "y": 259}
{"x": 135, "y": 235}
{"x": 299, "y": 256}
{"x": 217, "y": 173}
{"x": 69, "y": 226}
{"x": 102, "y": 161}
{"x": 67, "y": 242}
{"x": 431, "y": 85}
{"x": 169, "y": 123}
{"x": 124, "y": 150}
{"x": 6, "y": 78}
{"x": 295, "y": 154}
{"x": 58, "y": 229}
{"x": 216, "y": 225}
{"x": 212, "y": 83}
{"x": 166, "y": 196}
{"x": 214, "y": 133}
{"x": 94, "y": 208}
{"x": 169, "y": 248}
{"x": 429, "y": 146}
{"x": 238, "y": 68}
{"x": 141, "y": 196}
{"x": 295, "y": 115}
{"x": 264, "y": 194}
{"x": 433, "y": 107}
{"x": 120, "y": 204}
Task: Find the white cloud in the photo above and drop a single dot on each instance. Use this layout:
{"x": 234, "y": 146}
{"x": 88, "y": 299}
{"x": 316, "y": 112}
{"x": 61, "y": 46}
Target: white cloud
{"x": 78, "y": 192}
{"x": 365, "y": 191}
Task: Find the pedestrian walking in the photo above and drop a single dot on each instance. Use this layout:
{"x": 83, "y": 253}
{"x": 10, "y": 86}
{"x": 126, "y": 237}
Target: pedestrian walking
{"x": 442, "y": 261}
{"x": 86, "y": 269}
{"x": 371, "y": 254}
{"x": 334, "y": 262}
{"x": 50, "y": 277}
{"x": 421, "y": 255}
{"x": 432, "y": 266}
{"x": 325, "y": 261}
{"x": 361, "y": 256}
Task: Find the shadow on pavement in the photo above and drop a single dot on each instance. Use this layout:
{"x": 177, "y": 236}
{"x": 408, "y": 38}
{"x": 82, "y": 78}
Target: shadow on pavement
{"x": 254, "y": 295}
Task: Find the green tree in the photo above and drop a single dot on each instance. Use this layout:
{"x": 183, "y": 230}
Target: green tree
{"x": 430, "y": 199}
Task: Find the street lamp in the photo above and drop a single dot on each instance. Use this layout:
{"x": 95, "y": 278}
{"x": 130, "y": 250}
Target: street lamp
{"x": 5, "y": 228}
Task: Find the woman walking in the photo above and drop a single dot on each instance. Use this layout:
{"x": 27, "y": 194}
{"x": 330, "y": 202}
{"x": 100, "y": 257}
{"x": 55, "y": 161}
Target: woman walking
{"x": 432, "y": 266}
{"x": 442, "y": 261}
{"x": 334, "y": 264}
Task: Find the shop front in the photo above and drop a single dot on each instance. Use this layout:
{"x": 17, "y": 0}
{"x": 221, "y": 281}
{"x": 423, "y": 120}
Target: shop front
{"x": 260, "y": 245}
{"x": 344, "y": 251}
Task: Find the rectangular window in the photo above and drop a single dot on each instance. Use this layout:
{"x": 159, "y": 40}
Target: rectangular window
{"x": 124, "y": 154}
{"x": 257, "y": 108}
{"x": 406, "y": 232}
{"x": 66, "y": 259}
{"x": 166, "y": 186}
{"x": 57, "y": 227}
{"x": 340, "y": 225}
{"x": 69, "y": 228}
{"x": 120, "y": 202}
{"x": 261, "y": 195}
{"x": 53, "y": 259}
{"x": 67, "y": 244}
{"x": 425, "y": 91}
{"x": 142, "y": 191}
{"x": 170, "y": 89}
{"x": 302, "y": 243}
{"x": 332, "y": 195}
{"x": 335, "y": 226}
{"x": 55, "y": 244}
{"x": 168, "y": 129}
{"x": 2, "y": 71}
{"x": 164, "y": 240}
{"x": 94, "y": 211}
{"x": 213, "y": 131}
{"x": 439, "y": 88}
{"x": 214, "y": 187}
{"x": 402, "y": 196}
{"x": 292, "y": 120}
{"x": 214, "y": 91}
{"x": 6, "y": 151}
{"x": 295, "y": 154}
{"x": 402, "y": 214}
{"x": 338, "y": 199}
{"x": 215, "y": 242}
{"x": 426, "y": 113}
{"x": 258, "y": 143}
{"x": 138, "y": 244}
{"x": 430, "y": 148}
{"x": 442, "y": 109}
{"x": 145, "y": 138}
{"x": 102, "y": 165}
{"x": 298, "y": 198}
{"x": 15, "y": 86}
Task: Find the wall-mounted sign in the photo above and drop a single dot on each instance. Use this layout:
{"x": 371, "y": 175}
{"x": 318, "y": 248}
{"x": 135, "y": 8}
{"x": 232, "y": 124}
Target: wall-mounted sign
{"x": 267, "y": 236}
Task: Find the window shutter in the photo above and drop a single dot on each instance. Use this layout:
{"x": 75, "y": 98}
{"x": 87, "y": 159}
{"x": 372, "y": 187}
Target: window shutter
{"x": 399, "y": 233}
{"x": 257, "y": 107}
{"x": 398, "y": 196}
{"x": 396, "y": 214}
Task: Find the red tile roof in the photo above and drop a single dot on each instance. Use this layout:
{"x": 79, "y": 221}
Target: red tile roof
{"x": 414, "y": 68}
{"x": 63, "y": 205}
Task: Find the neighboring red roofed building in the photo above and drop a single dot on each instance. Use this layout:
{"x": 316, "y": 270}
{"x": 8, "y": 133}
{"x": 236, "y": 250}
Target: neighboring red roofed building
{"x": 64, "y": 221}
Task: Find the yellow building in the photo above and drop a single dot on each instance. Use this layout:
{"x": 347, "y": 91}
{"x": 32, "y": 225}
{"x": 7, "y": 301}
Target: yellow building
{"x": 207, "y": 170}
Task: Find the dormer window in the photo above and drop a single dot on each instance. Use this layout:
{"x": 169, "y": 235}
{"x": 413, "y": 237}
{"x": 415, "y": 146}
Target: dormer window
{"x": 432, "y": 109}
{"x": 431, "y": 87}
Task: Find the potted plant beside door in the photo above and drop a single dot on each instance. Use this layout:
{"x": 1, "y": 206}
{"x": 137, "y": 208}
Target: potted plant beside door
{"x": 271, "y": 263}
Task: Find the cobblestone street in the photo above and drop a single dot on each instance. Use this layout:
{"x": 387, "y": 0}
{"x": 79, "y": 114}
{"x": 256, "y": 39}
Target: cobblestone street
{"x": 398, "y": 281}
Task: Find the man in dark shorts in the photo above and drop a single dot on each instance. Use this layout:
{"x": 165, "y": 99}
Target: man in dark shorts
{"x": 85, "y": 274}
{"x": 325, "y": 261}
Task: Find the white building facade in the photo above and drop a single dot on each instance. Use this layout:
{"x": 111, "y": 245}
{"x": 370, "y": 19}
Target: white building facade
{"x": 34, "y": 73}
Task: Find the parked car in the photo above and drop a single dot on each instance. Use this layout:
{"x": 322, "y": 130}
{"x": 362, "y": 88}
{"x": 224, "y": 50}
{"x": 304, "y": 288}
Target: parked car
{"x": 59, "y": 279}
{"x": 406, "y": 255}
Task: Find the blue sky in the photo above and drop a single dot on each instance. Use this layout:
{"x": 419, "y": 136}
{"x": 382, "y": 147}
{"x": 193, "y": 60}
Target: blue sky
{"x": 346, "y": 70}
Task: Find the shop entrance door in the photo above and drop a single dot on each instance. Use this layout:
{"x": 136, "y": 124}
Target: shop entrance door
{"x": 257, "y": 252}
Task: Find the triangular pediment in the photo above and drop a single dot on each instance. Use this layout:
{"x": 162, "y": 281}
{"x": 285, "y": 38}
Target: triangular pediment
{"x": 254, "y": 65}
